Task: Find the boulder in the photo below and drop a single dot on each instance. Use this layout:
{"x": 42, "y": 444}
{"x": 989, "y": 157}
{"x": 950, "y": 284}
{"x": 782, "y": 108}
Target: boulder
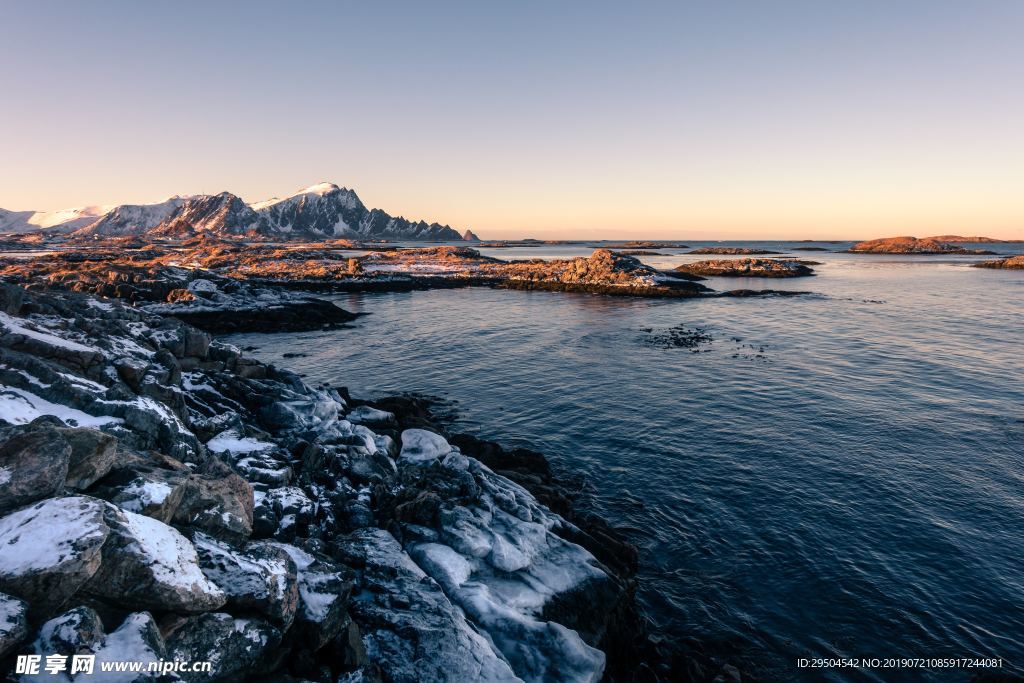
{"x": 51, "y": 550}
{"x": 239, "y": 649}
{"x": 260, "y": 578}
{"x": 93, "y": 453}
{"x": 151, "y": 565}
{"x": 371, "y": 417}
{"x": 33, "y": 465}
{"x": 13, "y": 623}
{"x": 219, "y": 502}
{"x": 420, "y": 445}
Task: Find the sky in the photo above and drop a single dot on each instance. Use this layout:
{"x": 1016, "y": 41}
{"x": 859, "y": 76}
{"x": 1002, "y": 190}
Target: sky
{"x": 684, "y": 120}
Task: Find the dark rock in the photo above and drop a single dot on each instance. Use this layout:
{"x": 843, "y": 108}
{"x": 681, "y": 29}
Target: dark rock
{"x": 93, "y": 453}
{"x": 33, "y": 465}
{"x": 240, "y": 649}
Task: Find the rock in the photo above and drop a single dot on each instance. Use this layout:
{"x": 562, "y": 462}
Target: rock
{"x": 13, "y": 623}
{"x": 371, "y": 417}
{"x": 1010, "y": 263}
{"x": 93, "y": 453}
{"x": 51, "y": 550}
{"x": 409, "y": 627}
{"x": 33, "y": 465}
{"x": 420, "y": 445}
{"x": 77, "y": 631}
{"x": 238, "y": 649}
{"x": 219, "y": 502}
{"x": 137, "y": 639}
{"x": 151, "y": 565}
{"x": 323, "y": 595}
{"x": 746, "y": 267}
{"x": 261, "y": 578}
{"x": 12, "y": 298}
{"x": 80, "y": 632}
{"x": 289, "y": 506}
{"x": 146, "y": 490}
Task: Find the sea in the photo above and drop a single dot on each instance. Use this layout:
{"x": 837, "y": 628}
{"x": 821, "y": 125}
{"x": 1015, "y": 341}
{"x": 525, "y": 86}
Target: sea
{"x": 838, "y": 475}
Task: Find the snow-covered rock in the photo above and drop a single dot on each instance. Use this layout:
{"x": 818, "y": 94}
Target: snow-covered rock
{"x": 420, "y": 445}
{"x": 80, "y": 632}
{"x": 151, "y": 565}
{"x": 261, "y": 577}
{"x": 13, "y": 623}
{"x": 51, "y": 550}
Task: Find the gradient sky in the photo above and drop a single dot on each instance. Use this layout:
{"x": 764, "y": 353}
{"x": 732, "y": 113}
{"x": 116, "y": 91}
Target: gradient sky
{"x": 785, "y": 119}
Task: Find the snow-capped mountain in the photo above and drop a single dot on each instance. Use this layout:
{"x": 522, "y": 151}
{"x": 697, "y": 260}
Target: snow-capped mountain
{"x": 317, "y": 212}
{"x": 219, "y": 214}
{"x": 326, "y": 210}
{"x": 132, "y": 219}
{"x": 65, "y": 220}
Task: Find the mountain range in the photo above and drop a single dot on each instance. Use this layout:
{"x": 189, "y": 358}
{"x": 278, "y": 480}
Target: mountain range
{"x": 321, "y": 211}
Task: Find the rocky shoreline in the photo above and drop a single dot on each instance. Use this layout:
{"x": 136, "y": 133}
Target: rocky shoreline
{"x": 1007, "y": 263}
{"x": 162, "y": 496}
{"x": 233, "y": 286}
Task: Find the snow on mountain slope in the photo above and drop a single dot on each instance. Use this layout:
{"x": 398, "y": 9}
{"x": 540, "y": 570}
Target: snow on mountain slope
{"x": 132, "y": 219}
{"x": 63, "y": 220}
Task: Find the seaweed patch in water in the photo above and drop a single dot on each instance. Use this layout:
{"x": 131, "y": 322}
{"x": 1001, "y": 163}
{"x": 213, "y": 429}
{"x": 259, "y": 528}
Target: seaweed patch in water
{"x": 678, "y": 337}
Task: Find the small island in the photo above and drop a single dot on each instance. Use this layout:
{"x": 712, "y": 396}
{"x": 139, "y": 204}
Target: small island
{"x": 733, "y": 251}
{"x": 912, "y": 245}
{"x": 746, "y": 267}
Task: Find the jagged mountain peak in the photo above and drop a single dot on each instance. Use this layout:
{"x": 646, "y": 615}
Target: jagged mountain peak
{"x": 319, "y": 211}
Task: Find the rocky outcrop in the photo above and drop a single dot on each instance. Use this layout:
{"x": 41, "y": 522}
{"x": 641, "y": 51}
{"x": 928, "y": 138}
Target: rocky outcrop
{"x": 746, "y": 267}
{"x": 1009, "y": 263}
{"x": 911, "y": 245}
{"x": 196, "y": 504}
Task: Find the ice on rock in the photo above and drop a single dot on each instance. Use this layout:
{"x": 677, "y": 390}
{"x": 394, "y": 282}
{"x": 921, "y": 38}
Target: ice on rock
{"x": 420, "y": 445}
{"x": 447, "y": 567}
{"x": 371, "y": 417}
{"x": 230, "y": 441}
{"x": 500, "y": 562}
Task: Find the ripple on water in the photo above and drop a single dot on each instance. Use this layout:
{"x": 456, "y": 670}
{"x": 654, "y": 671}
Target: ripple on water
{"x": 862, "y": 494}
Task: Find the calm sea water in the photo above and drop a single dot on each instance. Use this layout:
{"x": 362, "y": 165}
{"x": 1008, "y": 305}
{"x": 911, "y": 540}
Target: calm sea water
{"x": 840, "y": 474}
